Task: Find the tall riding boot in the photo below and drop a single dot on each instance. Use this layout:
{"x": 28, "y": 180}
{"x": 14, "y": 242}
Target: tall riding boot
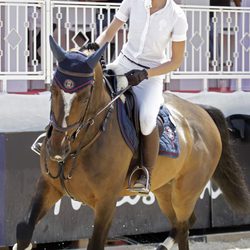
{"x": 150, "y": 150}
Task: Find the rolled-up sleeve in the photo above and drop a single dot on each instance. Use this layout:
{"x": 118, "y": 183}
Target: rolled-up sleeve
{"x": 124, "y": 11}
{"x": 180, "y": 28}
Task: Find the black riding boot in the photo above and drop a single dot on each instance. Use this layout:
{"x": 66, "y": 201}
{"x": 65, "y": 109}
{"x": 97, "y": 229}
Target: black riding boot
{"x": 150, "y": 150}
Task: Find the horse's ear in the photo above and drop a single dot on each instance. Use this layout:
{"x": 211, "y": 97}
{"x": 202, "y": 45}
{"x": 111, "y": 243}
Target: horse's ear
{"x": 58, "y": 52}
{"x": 94, "y": 58}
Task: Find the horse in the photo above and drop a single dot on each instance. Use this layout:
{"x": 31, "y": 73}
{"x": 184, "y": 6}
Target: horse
{"x": 85, "y": 156}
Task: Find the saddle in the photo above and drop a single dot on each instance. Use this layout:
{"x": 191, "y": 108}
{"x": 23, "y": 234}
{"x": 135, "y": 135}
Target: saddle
{"x": 132, "y": 111}
{"x": 128, "y": 118}
{"x": 131, "y": 105}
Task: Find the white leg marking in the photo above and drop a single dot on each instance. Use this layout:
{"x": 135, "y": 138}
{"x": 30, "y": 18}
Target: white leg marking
{"x": 168, "y": 243}
{"x": 28, "y": 248}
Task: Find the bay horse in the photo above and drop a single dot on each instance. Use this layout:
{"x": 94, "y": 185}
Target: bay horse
{"x": 85, "y": 156}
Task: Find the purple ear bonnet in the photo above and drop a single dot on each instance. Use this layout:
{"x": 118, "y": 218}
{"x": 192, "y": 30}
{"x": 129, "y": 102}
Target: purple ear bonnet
{"x": 75, "y": 70}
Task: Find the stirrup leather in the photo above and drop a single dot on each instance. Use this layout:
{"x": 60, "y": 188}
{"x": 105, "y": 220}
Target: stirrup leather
{"x": 145, "y": 190}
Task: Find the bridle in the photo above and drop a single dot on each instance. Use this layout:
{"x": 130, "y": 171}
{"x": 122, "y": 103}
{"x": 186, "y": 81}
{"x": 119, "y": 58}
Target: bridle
{"x": 77, "y": 127}
{"x": 83, "y": 122}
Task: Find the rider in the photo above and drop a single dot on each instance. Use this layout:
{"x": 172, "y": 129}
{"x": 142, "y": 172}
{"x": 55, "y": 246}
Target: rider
{"x": 152, "y": 25}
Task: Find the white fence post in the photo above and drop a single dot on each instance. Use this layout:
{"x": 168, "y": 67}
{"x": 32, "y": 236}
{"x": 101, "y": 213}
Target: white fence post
{"x": 48, "y": 31}
{"x": 4, "y": 86}
{"x": 239, "y": 84}
{"x": 205, "y": 85}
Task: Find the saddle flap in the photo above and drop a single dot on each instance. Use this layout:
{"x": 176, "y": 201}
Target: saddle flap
{"x": 132, "y": 109}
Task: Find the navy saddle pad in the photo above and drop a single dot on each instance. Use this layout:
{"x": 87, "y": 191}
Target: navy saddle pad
{"x": 169, "y": 142}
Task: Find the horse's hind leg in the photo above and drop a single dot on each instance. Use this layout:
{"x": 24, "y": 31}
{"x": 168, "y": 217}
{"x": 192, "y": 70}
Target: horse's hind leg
{"x": 179, "y": 231}
{"x": 46, "y": 196}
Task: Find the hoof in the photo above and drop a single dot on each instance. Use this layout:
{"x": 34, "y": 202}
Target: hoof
{"x": 167, "y": 244}
{"x": 27, "y": 248}
{"x": 161, "y": 247}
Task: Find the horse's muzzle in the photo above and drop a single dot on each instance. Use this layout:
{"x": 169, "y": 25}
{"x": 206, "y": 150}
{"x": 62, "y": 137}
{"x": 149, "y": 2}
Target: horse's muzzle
{"x": 58, "y": 152}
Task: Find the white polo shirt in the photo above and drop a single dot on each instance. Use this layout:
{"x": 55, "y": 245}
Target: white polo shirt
{"x": 149, "y": 35}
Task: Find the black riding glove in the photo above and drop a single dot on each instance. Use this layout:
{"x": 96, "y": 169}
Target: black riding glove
{"x": 136, "y": 76}
{"x": 92, "y": 46}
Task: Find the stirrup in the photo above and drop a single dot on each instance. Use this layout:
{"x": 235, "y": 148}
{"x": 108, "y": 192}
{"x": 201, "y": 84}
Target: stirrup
{"x": 36, "y": 146}
{"x": 140, "y": 190}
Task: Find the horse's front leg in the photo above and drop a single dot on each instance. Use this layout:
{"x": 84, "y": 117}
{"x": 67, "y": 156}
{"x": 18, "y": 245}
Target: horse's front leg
{"x": 45, "y": 197}
{"x": 104, "y": 212}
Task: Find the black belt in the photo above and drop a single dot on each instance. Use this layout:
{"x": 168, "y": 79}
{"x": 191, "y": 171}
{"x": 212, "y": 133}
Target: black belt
{"x": 143, "y": 66}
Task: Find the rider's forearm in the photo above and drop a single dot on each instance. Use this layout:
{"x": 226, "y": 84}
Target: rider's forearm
{"x": 164, "y": 68}
{"x": 178, "y": 49}
{"x": 104, "y": 38}
{"x": 108, "y": 34}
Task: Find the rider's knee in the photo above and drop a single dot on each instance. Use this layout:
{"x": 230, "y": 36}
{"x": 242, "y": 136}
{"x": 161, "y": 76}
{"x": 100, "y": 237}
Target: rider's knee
{"x": 147, "y": 125}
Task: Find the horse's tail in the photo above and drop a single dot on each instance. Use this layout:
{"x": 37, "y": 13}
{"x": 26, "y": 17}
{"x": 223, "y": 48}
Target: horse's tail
{"x": 228, "y": 174}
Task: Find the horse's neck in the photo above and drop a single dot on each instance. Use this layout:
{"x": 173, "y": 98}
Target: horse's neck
{"x": 101, "y": 96}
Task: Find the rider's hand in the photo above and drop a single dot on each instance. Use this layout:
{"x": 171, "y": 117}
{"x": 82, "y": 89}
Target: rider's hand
{"x": 136, "y": 76}
{"x": 92, "y": 46}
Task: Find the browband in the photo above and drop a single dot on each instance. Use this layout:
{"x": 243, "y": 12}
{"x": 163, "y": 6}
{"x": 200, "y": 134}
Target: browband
{"x": 76, "y": 74}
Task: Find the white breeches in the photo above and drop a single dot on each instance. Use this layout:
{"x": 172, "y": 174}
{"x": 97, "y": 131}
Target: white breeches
{"x": 148, "y": 93}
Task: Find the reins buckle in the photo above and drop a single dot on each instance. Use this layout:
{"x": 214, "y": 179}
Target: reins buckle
{"x": 91, "y": 121}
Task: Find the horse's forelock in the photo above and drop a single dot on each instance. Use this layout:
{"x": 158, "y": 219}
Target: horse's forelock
{"x": 84, "y": 52}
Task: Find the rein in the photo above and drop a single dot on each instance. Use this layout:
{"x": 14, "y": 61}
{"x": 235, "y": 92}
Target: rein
{"x": 112, "y": 101}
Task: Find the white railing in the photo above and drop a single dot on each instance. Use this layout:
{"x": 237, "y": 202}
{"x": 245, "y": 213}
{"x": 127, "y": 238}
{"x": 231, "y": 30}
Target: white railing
{"x": 19, "y": 22}
{"x": 218, "y": 46}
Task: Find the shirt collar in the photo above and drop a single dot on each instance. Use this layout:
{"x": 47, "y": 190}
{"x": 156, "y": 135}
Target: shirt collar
{"x": 148, "y": 4}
